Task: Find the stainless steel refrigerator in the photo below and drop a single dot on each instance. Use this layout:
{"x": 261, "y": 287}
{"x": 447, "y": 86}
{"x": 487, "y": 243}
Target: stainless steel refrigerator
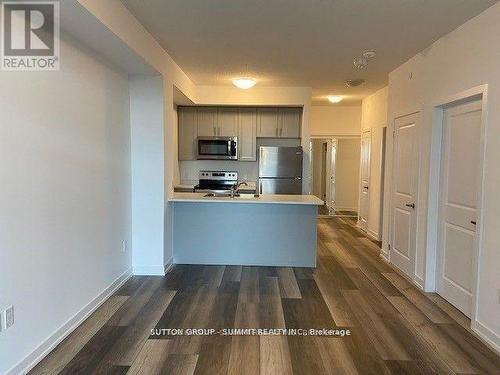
{"x": 280, "y": 170}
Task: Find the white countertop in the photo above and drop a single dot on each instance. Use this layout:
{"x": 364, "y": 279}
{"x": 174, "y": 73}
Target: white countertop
{"x": 311, "y": 200}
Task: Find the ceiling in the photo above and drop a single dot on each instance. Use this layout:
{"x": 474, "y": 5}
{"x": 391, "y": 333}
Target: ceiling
{"x": 299, "y": 42}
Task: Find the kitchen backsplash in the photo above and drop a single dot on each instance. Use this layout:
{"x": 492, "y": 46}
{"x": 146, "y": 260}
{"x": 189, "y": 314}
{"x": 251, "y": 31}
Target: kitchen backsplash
{"x": 247, "y": 171}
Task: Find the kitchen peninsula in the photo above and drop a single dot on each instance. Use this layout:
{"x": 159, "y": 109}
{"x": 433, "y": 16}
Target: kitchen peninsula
{"x": 267, "y": 230}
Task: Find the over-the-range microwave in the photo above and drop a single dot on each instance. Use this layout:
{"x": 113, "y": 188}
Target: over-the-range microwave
{"x": 218, "y": 148}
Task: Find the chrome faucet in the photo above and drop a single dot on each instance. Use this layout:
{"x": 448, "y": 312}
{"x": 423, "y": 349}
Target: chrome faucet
{"x": 235, "y": 187}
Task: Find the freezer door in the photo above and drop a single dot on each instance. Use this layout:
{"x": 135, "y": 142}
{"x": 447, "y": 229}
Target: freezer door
{"x": 280, "y": 186}
{"x": 281, "y": 162}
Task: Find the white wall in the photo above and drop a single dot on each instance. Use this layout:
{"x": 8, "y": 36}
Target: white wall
{"x": 465, "y": 58}
{"x": 335, "y": 120}
{"x": 374, "y": 118}
{"x": 64, "y": 195}
{"x": 147, "y": 140}
{"x": 347, "y": 174}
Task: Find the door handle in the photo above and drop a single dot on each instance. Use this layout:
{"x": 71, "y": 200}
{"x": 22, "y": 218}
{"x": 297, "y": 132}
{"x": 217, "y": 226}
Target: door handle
{"x": 473, "y": 222}
{"x": 365, "y": 187}
{"x": 410, "y": 205}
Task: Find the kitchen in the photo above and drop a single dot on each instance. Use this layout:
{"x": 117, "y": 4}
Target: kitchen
{"x": 246, "y": 158}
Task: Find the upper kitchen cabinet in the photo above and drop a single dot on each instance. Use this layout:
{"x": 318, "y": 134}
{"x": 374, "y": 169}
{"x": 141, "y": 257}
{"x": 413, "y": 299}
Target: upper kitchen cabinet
{"x": 289, "y": 122}
{"x": 227, "y": 122}
{"x": 267, "y": 122}
{"x": 187, "y": 133}
{"x": 247, "y": 134}
{"x": 278, "y": 122}
{"x": 207, "y": 122}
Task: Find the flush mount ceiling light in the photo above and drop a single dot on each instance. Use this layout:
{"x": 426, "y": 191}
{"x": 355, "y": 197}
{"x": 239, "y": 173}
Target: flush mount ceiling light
{"x": 244, "y": 83}
{"x": 334, "y": 98}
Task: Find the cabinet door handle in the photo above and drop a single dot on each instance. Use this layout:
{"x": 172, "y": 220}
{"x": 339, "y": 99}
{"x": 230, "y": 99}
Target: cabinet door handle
{"x": 410, "y": 205}
{"x": 473, "y": 222}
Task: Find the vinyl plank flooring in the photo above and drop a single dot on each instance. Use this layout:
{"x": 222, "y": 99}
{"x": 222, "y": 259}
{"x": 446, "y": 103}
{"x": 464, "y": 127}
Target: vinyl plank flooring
{"x": 180, "y": 364}
{"x": 288, "y": 283}
{"x": 395, "y": 327}
{"x": 151, "y": 358}
{"x": 275, "y": 357}
{"x": 69, "y": 347}
{"x": 245, "y": 350}
{"x": 380, "y": 336}
{"x": 91, "y": 356}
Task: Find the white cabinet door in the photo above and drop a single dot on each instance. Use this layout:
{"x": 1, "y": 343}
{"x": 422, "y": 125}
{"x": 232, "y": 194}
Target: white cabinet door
{"x": 289, "y": 122}
{"x": 247, "y": 134}
{"x": 458, "y": 204}
{"x": 267, "y": 122}
{"x": 227, "y": 122}
{"x": 207, "y": 122}
{"x": 187, "y": 133}
{"x": 364, "y": 188}
{"x": 404, "y": 194}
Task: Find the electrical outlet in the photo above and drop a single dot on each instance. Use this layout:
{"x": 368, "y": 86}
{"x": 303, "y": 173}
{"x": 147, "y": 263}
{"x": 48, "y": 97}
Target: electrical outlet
{"x": 9, "y": 317}
{"x": 124, "y": 246}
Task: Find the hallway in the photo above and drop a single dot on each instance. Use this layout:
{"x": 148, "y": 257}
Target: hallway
{"x": 395, "y": 328}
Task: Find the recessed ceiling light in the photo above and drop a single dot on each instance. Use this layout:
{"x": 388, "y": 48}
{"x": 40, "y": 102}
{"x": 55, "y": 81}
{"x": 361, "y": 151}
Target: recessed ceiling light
{"x": 244, "y": 83}
{"x": 354, "y": 82}
{"x": 334, "y": 98}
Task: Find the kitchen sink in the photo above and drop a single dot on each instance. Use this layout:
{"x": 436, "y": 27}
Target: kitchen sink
{"x": 218, "y": 195}
{"x": 228, "y": 195}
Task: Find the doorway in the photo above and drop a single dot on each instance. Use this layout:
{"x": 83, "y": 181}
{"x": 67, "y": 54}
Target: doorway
{"x": 404, "y": 194}
{"x": 335, "y": 174}
{"x": 458, "y": 203}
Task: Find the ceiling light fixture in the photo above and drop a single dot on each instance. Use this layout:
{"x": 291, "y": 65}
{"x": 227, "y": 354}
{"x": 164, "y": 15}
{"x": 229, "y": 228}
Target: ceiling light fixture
{"x": 244, "y": 83}
{"x": 334, "y": 98}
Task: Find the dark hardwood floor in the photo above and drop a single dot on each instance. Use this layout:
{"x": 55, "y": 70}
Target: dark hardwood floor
{"x": 395, "y": 328}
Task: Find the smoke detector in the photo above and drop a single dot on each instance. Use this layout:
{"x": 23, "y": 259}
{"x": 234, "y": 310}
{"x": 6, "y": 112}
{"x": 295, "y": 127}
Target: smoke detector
{"x": 360, "y": 62}
{"x": 354, "y": 82}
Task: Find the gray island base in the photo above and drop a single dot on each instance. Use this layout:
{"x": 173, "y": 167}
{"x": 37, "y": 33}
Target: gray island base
{"x": 270, "y": 230}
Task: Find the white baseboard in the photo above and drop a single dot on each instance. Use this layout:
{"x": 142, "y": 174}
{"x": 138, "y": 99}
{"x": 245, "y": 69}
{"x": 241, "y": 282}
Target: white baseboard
{"x": 145, "y": 270}
{"x": 374, "y": 235}
{"x": 487, "y": 335}
{"x": 418, "y": 281}
{"x": 169, "y": 265}
{"x": 32, "y": 359}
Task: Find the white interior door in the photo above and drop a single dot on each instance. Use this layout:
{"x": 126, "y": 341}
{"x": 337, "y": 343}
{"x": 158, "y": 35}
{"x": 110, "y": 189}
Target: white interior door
{"x": 364, "y": 192}
{"x": 458, "y": 204}
{"x": 404, "y": 194}
{"x": 331, "y": 160}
